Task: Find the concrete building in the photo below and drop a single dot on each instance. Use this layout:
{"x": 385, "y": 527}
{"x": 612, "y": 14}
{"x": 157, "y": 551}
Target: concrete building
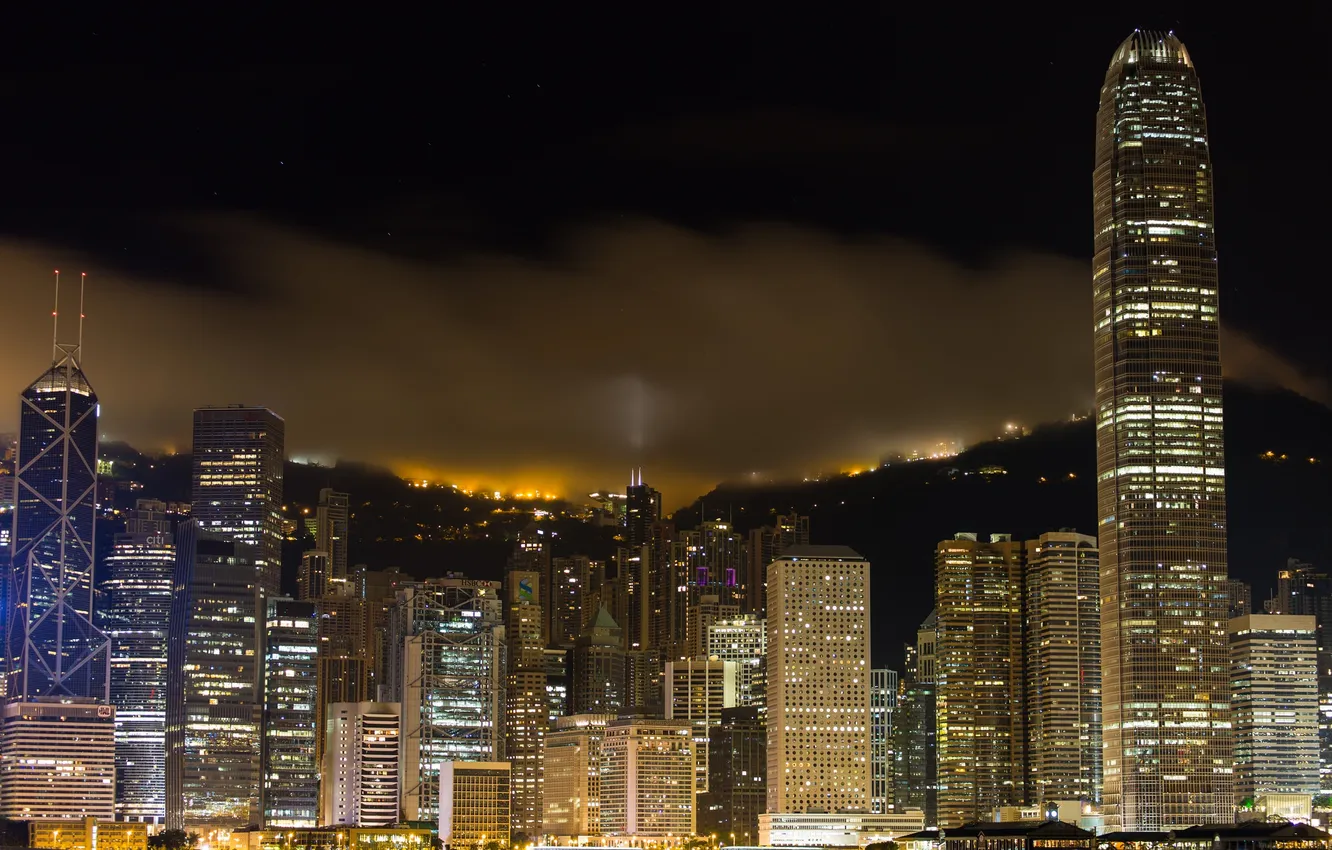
{"x": 572, "y": 794}
{"x": 474, "y": 804}
{"x": 290, "y": 791}
{"x": 1274, "y": 694}
{"x": 697, "y": 691}
{"x": 647, "y": 779}
{"x": 359, "y": 780}
{"x": 818, "y": 681}
{"x": 57, "y": 759}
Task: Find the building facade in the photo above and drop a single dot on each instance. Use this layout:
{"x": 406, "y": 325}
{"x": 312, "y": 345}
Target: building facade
{"x": 818, "y": 680}
{"x": 1161, "y": 492}
{"x": 572, "y": 798}
{"x": 737, "y": 770}
{"x": 474, "y": 804}
{"x": 290, "y": 793}
{"x": 57, "y": 759}
{"x": 1274, "y": 691}
{"x": 743, "y": 640}
{"x": 137, "y": 590}
{"x": 697, "y": 691}
{"x": 598, "y": 668}
{"x": 979, "y": 678}
{"x": 1063, "y": 667}
{"x": 237, "y": 482}
{"x": 647, "y": 779}
{"x": 359, "y": 780}
{"x": 915, "y": 783}
{"x": 883, "y": 705}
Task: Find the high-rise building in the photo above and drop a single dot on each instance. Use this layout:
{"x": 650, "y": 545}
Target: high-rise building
{"x": 526, "y": 711}
{"x": 647, "y": 779}
{"x": 737, "y": 767}
{"x": 1063, "y": 667}
{"x": 531, "y": 554}
{"x": 332, "y": 517}
{"x": 312, "y": 576}
{"x": 345, "y": 641}
{"x": 818, "y": 680}
{"x": 290, "y": 793}
{"x": 697, "y": 691}
{"x": 237, "y": 482}
{"x": 883, "y": 704}
{"x": 137, "y": 591}
{"x": 573, "y": 775}
{"x": 473, "y": 804}
{"x": 706, "y": 611}
{"x": 642, "y": 509}
{"x": 448, "y": 674}
{"x": 1160, "y": 450}
{"x": 214, "y": 703}
{"x": 1274, "y": 686}
{"x": 915, "y": 783}
{"x": 556, "y": 664}
{"x": 359, "y": 778}
{"x": 573, "y": 581}
{"x": 766, "y": 544}
{"x": 53, "y": 646}
{"x": 743, "y": 640}
{"x": 1240, "y": 596}
{"x": 57, "y": 759}
{"x": 979, "y": 676}
{"x": 597, "y": 668}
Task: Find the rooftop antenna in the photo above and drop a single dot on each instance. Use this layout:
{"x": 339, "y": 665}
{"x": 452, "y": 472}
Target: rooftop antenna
{"x": 55, "y": 321}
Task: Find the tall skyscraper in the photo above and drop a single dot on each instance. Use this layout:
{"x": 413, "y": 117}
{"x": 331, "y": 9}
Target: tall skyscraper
{"x": 737, "y": 767}
{"x": 137, "y": 590}
{"x": 915, "y": 782}
{"x": 1275, "y": 691}
{"x": 818, "y": 681}
{"x": 331, "y": 535}
{"x": 53, "y": 647}
{"x": 359, "y": 780}
{"x": 597, "y": 668}
{"x": 237, "y": 482}
{"x": 290, "y": 793}
{"x": 1160, "y": 451}
{"x": 1063, "y": 667}
{"x": 743, "y": 640}
{"x": 214, "y": 702}
{"x": 766, "y": 544}
{"x": 697, "y": 691}
{"x": 525, "y": 716}
{"x": 449, "y": 645}
{"x": 883, "y": 704}
{"x": 979, "y": 675}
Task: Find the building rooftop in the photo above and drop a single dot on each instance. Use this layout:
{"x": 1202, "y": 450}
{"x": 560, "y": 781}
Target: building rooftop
{"x": 1042, "y": 828}
{"x": 828, "y": 552}
{"x": 1152, "y": 46}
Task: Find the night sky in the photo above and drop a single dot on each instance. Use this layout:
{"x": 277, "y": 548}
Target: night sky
{"x": 538, "y": 248}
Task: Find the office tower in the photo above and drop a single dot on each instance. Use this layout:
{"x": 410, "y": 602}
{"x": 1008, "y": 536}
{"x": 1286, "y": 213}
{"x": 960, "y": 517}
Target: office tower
{"x": 1274, "y": 688}
{"x": 214, "y": 684}
{"x": 343, "y": 665}
{"x": 57, "y": 759}
{"x": 526, "y": 714}
{"x": 696, "y": 692}
{"x": 706, "y": 565}
{"x": 915, "y": 782}
{"x": 642, "y": 509}
{"x": 707, "y": 611}
{"x": 137, "y": 591}
{"x": 1239, "y": 595}
{"x": 473, "y": 804}
{"x": 312, "y": 576}
{"x": 597, "y": 668}
{"x": 531, "y": 554}
{"x": 53, "y": 647}
{"x": 331, "y": 535}
{"x": 647, "y": 779}
{"x": 573, "y": 775}
{"x": 1303, "y": 589}
{"x": 643, "y": 675}
{"x": 743, "y": 640}
{"x": 448, "y": 644}
{"x": 818, "y": 680}
{"x": 358, "y": 783}
{"x": 737, "y": 765}
{"x": 237, "y": 482}
{"x": 766, "y": 544}
{"x": 1063, "y": 667}
{"x": 979, "y": 675}
{"x": 555, "y": 662}
{"x": 883, "y": 702}
{"x": 573, "y": 582}
{"x": 628, "y": 599}
{"x": 379, "y": 589}
{"x": 290, "y": 794}
{"x": 1159, "y": 444}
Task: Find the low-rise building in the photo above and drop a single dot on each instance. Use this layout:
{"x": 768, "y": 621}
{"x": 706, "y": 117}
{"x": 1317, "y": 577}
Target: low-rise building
{"x": 1018, "y": 835}
{"x": 474, "y": 804}
{"x": 841, "y": 829}
{"x": 88, "y": 834}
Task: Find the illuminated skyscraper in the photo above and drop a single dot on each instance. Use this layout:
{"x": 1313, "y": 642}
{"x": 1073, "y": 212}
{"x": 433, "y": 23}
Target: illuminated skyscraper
{"x": 818, "y": 681}
{"x": 237, "y": 482}
{"x": 360, "y": 775}
{"x": 1160, "y": 452}
{"x": 331, "y": 536}
{"x": 697, "y": 691}
{"x": 526, "y": 712}
{"x": 138, "y": 603}
{"x": 915, "y": 766}
{"x": 883, "y": 704}
{"x": 597, "y": 668}
{"x": 291, "y": 773}
{"x": 214, "y": 702}
{"x": 53, "y": 647}
{"x": 979, "y": 675}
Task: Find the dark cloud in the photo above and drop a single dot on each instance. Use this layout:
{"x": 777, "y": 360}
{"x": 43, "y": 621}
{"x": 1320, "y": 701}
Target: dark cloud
{"x": 768, "y": 349}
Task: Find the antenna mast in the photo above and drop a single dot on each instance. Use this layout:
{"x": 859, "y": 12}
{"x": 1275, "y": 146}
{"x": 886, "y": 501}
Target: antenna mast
{"x": 55, "y": 321}
{"x": 83, "y": 281}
